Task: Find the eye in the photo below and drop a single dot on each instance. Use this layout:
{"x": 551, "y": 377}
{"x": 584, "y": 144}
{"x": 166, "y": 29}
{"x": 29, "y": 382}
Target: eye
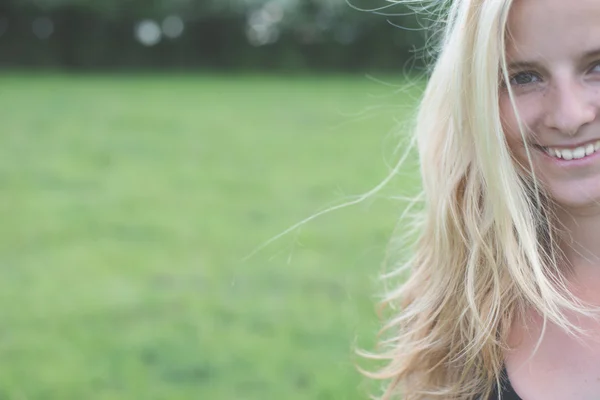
{"x": 595, "y": 67}
{"x": 526, "y": 78}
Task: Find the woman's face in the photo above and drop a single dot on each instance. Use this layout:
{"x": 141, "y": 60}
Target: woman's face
{"x": 553, "y": 54}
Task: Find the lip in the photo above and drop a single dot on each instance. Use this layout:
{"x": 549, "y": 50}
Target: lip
{"x": 569, "y": 146}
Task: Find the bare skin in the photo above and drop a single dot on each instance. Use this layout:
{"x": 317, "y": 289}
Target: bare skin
{"x": 553, "y": 54}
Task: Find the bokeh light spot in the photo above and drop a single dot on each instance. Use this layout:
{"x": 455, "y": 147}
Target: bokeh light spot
{"x": 173, "y": 26}
{"x": 42, "y": 27}
{"x": 148, "y": 32}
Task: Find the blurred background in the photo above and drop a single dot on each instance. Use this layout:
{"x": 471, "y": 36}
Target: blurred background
{"x": 156, "y": 159}
{"x": 223, "y": 35}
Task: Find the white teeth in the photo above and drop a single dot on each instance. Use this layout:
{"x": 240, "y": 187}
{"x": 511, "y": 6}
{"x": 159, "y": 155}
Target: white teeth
{"x": 579, "y": 153}
{"x": 574, "y": 154}
{"x": 589, "y": 149}
{"x": 567, "y": 154}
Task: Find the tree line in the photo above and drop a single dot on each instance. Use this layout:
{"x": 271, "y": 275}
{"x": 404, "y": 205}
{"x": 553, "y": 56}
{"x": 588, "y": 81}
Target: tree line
{"x": 210, "y": 34}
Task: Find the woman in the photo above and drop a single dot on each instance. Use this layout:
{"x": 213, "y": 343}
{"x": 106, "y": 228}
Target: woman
{"x": 504, "y": 290}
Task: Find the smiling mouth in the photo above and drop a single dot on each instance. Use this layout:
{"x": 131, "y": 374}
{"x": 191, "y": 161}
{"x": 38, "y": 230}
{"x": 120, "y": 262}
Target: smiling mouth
{"x": 571, "y": 153}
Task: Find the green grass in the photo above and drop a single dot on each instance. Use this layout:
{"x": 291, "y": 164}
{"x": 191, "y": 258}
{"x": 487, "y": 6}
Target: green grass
{"x": 128, "y": 205}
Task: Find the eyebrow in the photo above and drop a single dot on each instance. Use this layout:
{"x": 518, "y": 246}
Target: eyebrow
{"x": 591, "y": 54}
{"x": 523, "y": 65}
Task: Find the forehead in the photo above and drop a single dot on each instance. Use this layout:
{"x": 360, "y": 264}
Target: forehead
{"x": 553, "y": 28}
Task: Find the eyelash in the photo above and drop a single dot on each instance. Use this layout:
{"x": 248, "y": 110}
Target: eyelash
{"x": 530, "y": 74}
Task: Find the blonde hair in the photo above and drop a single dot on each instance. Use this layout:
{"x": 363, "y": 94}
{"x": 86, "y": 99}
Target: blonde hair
{"x": 485, "y": 251}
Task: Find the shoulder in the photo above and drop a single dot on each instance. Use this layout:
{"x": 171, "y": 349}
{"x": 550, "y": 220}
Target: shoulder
{"x": 544, "y": 361}
{"x": 525, "y": 349}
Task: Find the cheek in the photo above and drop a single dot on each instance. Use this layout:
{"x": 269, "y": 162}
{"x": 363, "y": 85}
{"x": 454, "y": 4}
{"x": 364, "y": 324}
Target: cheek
{"x": 510, "y": 124}
{"x": 529, "y": 112}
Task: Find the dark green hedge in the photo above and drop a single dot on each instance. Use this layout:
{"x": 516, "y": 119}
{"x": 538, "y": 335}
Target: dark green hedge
{"x": 99, "y": 34}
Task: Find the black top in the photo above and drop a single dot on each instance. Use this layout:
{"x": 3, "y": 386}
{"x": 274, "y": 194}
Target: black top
{"x": 508, "y": 393}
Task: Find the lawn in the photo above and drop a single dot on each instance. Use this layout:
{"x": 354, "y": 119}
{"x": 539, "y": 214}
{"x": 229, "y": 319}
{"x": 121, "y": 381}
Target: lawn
{"x": 131, "y": 209}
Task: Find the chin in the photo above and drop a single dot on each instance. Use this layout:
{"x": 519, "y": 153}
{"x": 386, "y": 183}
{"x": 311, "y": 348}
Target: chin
{"x": 573, "y": 195}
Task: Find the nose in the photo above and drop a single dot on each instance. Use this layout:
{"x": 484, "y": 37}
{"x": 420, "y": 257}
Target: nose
{"x": 569, "y": 107}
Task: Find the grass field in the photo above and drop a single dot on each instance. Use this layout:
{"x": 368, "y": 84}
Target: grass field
{"x": 128, "y": 207}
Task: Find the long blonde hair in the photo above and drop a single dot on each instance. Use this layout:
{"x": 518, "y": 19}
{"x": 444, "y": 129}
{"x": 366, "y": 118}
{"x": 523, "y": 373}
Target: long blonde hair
{"x": 485, "y": 251}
